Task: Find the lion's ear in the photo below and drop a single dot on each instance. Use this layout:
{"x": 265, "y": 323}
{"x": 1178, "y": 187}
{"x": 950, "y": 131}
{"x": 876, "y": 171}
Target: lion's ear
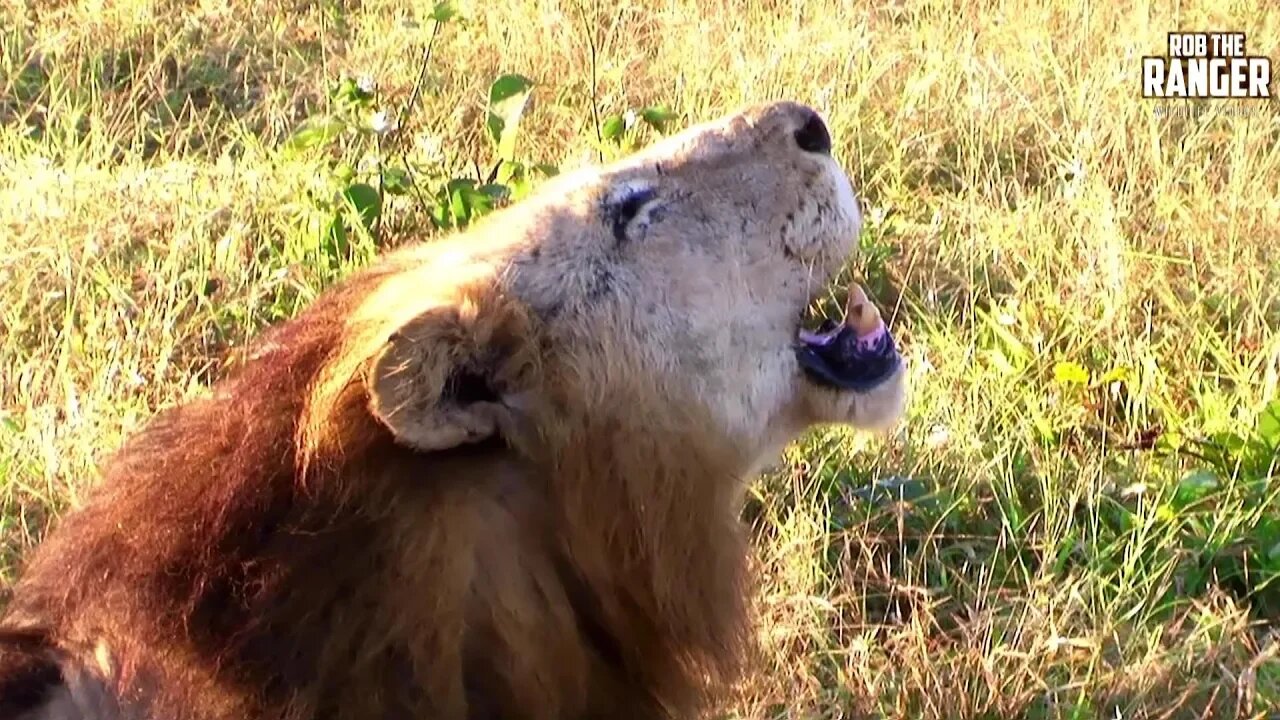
{"x": 440, "y": 380}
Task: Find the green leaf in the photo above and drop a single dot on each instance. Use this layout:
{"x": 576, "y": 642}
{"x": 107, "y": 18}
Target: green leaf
{"x": 348, "y": 93}
{"x": 440, "y": 217}
{"x": 334, "y": 240}
{"x": 313, "y": 132}
{"x": 1118, "y": 517}
{"x": 458, "y": 206}
{"x": 443, "y": 12}
{"x": 1070, "y": 373}
{"x": 478, "y": 204}
{"x": 613, "y": 127}
{"x": 344, "y": 90}
{"x": 519, "y": 178}
{"x": 1195, "y": 486}
{"x": 480, "y": 201}
{"x": 658, "y": 117}
{"x": 366, "y": 201}
{"x": 510, "y": 172}
{"x": 508, "y": 86}
{"x": 508, "y": 97}
{"x": 1269, "y": 425}
{"x": 496, "y": 191}
{"x": 396, "y": 180}
{"x": 1267, "y": 535}
{"x": 520, "y": 189}
{"x": 458, "y": 184}
{"x": 466, "y": 202}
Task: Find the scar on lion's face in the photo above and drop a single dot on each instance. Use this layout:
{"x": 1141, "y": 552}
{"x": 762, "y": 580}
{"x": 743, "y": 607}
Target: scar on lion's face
{"x": 682, "y": 272}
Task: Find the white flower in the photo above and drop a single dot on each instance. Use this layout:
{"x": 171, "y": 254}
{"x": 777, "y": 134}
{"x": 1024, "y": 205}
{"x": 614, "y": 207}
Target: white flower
{"x": 366, "y": 84}
{"x": 939, "y": 435}
{"x": 383, "y": 122}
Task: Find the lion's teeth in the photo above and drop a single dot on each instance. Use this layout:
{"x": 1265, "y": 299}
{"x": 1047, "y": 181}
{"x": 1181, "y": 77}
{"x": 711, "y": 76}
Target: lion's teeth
{"x": 860, "y": 313}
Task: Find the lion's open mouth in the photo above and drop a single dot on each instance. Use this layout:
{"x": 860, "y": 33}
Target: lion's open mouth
{"x": 857, "y": 355}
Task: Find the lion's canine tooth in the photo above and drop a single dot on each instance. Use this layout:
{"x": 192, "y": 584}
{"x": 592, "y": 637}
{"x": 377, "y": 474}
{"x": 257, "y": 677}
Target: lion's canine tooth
{"x": 860, "y": 313}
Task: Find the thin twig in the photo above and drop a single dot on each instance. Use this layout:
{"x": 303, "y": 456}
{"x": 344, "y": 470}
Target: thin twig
{"x": 413, "y": 183}
{"x": 408, "y": 108}
{"x": 422, "y": 77}
{"x": 493, "y": 174}
{"x": 595, "y": 110}
{"x": 382, "y": 199}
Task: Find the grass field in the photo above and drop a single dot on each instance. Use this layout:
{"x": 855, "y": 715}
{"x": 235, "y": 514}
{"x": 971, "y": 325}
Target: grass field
{"x": 1079, "y": 517}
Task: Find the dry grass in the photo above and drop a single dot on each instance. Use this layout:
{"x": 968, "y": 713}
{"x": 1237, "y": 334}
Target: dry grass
{"x": 1028, "y": 208}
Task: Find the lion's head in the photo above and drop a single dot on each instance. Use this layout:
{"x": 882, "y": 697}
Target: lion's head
{"x": 670, "y": 286}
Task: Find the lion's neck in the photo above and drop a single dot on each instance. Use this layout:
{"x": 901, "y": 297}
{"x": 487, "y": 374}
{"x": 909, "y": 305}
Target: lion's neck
{"x": 653, "y": 530}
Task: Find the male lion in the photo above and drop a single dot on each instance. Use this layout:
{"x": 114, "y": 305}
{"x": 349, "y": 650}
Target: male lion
{"x": 494, "y": 476}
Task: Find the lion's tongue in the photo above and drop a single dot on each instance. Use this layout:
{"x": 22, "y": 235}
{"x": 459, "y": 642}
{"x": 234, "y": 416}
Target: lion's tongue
{"x": 856, "y": 355}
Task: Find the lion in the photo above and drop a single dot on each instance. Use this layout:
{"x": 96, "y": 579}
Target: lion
{"x": 497, "y": 475}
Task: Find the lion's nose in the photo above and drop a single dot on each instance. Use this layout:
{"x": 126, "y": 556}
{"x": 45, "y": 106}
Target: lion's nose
{"x": 813, "y": 136}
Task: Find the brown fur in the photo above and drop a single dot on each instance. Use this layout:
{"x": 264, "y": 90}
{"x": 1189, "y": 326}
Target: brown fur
{"x": 490, "y": 477}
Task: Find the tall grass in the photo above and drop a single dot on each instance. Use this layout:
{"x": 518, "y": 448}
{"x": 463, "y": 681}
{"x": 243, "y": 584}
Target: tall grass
{"x": 1079, "y": 517}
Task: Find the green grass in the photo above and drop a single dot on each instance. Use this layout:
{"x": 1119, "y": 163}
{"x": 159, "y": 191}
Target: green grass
{"x": 1079, "y": 517}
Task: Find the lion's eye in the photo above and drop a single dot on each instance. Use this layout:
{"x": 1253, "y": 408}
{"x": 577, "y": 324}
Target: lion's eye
{"x": 630, "y": 209}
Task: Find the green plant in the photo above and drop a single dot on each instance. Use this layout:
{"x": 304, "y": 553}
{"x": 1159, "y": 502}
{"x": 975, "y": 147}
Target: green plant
{"x": 352, "y": 192}
{"x": 460, "y": 200}
{"x": 369, "y": 163}
{"x": 1235, "y": 470}
{"x": 623, "y": 133}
